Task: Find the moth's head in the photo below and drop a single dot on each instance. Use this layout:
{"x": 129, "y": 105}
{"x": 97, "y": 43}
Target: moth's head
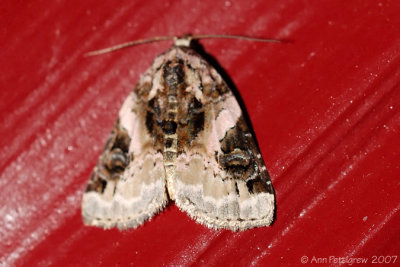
{"x": 184, "y": 40}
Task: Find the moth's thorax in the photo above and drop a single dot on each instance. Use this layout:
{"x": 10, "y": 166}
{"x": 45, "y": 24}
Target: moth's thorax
{"x": 175, "y": 110}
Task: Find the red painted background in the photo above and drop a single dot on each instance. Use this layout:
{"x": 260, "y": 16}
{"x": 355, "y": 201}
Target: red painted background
{"x": 325, "y": 110}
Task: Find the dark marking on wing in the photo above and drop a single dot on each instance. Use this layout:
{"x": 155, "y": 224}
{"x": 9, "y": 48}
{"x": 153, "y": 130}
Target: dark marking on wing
{"x": 195, "y": 115}
{"x": 154, "y": 119}
{"x": 239, "y": 159}
{"x": 149, "y": 121}
{"x": 96, "y": 183}
{"x": 237, "y": 189}
{"x": 112, "y": 161}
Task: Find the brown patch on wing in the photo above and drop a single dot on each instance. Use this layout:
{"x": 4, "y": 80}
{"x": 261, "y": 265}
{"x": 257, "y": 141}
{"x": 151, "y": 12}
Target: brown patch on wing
{"x": 112, "y": 161}
{"x": 240, "y": 159}
{"x": 191, "y": 122}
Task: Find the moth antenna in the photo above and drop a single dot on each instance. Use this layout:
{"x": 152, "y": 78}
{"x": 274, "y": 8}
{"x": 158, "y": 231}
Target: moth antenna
{"x": 127, "y": 44}
{"x": 240, "y": 37}
{"x": 187, "y": 38}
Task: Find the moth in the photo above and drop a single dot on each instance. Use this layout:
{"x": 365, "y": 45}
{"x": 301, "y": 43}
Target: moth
{"x": 181, "y": 136}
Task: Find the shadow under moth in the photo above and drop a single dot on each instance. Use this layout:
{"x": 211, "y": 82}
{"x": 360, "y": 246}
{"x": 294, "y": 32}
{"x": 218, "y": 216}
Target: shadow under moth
{"x": 180, "y": 135}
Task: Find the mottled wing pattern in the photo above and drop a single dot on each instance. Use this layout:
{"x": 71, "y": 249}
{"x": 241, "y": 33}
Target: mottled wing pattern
{"x": 127, "y": 186}
{"x": 180, "y": 133}
{"x": 220, "y": 179}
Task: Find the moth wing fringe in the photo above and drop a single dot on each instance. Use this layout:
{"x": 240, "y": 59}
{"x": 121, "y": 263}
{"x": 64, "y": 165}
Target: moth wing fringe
{"x": 219, "y": 203}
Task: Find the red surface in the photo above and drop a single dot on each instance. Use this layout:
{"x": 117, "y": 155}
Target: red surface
{"x": 325, "y": 110}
